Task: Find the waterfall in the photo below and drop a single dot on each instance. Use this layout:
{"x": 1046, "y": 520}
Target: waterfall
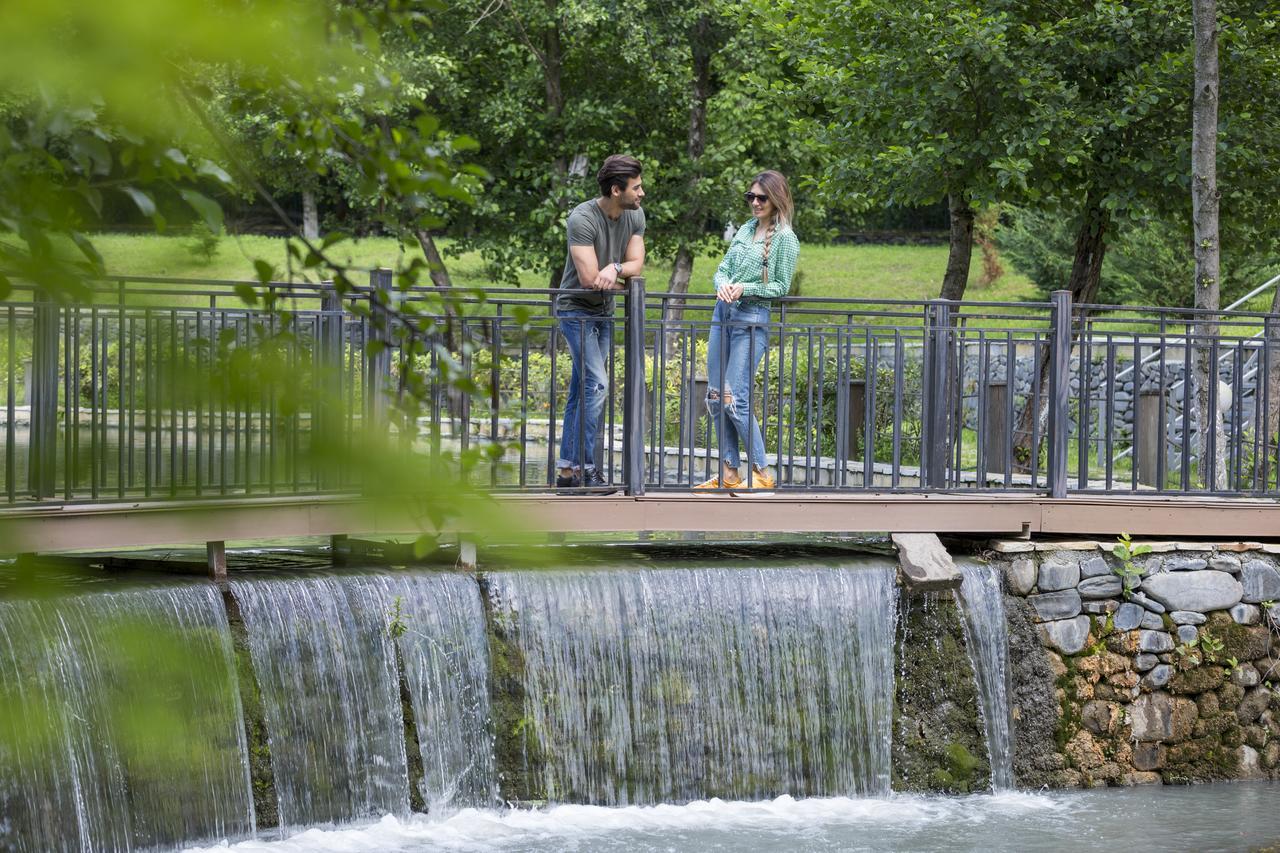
{"x": 666, "y": 685}
{"x": 120, "y": 722}
{"x": 982, "y": 601}
{"x": 446, "y": 662}
{"x": 323, "y": 652}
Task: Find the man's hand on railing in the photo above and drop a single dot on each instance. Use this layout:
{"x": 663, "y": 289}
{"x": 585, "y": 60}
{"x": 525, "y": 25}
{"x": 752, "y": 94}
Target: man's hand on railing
{"x": 607, "y": 279}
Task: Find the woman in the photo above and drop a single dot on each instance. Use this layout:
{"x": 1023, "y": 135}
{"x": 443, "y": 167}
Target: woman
{"x": 756, "y": 270}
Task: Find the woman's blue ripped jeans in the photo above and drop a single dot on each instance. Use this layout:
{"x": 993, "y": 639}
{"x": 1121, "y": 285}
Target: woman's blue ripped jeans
{"x": 739, "y": 338}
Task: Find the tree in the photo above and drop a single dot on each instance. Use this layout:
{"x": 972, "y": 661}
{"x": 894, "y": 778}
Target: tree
{"x": 1204, "y": 218}
{"x": 912, "y": 104}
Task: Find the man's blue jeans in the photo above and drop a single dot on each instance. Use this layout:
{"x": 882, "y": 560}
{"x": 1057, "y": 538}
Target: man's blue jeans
{"x": 739, "y": 338}
{"x": 589, "y": 337}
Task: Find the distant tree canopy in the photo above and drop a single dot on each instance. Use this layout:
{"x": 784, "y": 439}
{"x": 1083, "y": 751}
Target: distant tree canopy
{"x": 1077, "y": 114}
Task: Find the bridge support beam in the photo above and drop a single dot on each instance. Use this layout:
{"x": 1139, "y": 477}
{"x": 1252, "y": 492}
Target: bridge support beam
{"x": 216, "y": 554}
{"x": 924, "y": 564}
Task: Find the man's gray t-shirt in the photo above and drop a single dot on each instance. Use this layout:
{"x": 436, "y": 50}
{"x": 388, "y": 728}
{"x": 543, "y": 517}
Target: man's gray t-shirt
{"x": 588, "y": 226}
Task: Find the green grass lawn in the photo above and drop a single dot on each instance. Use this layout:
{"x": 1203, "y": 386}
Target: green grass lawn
{"x": 867, "y": 272}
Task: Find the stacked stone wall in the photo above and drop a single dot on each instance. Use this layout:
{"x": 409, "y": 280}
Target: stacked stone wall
{"x": 1174, "y": 680}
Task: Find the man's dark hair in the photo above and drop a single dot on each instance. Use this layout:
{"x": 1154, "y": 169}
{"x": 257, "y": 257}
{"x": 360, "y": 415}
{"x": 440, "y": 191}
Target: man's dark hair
{"x": 616, "y": 171}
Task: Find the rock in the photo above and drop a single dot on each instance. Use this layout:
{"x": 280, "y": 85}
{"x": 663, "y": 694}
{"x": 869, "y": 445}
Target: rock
{"x": 1246, "y": 614}
{"x": 1188, "y": 617}
{"x": 1056, "y": 605}
{"x": 1152, "y": 622}
{"x": 1225, "y": 563}
{"x": 1020, "y": 576}
{"x": 924, "y": 563}
{"x": 1254, "y": 703}
{"x": 1187, "y": 634}
{"x": 1128, "y": 616}
{"x": 1143, "y": 601}
{"x": 1230, "y": 695}
{"x": 1203, "y": 591}
{"x": 1207, "y": 703}
{"x": 1250, "y": 766}
{"x": 1130, "y": 780}
{"x": 1056, "y": 666}
{"x": 1098, "y": 717}
{"x": 1239, "y": 641}
{"x": 1144, "y": 662}
{"x": 1197, "y": 679}
{"x": 1271, "y": 755}
{"x": 1057, "y": 573}
{"x": 1100, "y": 587}
{"x": 1126, "y": 680}
{"x": 1246, "y": 675}
{"x": 1261, "y": 581}
{"x": 1158, "y": 677}
{"x": 1100, "y": 608}
{"x": 1148, "y": 756}
{"x": 1066, "y": 635}
{"x": 1084, "y": 752}
{"x": 1161, "y": 717}
{"x": 1155, "y": 641}
{"x": 1094, "y": 567}
{"x": 1184, "y": 564}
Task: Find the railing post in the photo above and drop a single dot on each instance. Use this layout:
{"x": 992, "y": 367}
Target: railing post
{"x": 996, "y": 422}
{"x": 326, "y": 414}
{"x": 633, "y": 390}
{"x": 937, "y": 398}
{"x": 379, "y": 381}
{"x": 43, "y": 399}
{"x": 1059, "y": 392}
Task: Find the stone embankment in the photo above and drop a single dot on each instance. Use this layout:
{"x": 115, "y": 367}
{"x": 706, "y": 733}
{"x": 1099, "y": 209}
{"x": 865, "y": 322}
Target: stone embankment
{"x": 1161, "y": 668}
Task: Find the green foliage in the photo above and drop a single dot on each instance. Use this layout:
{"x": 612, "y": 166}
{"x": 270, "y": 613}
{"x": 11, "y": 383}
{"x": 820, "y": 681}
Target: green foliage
{"x": 1148, "y": 262}
{"x": 1124, "y": 551}
{"x": 202, "y": 242}
{"x": 1211, "y": 646}
{"x": 396, "y": 625}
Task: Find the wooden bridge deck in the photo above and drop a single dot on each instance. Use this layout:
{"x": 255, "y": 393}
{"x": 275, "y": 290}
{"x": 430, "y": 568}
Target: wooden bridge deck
{"x": 72, "y": 527}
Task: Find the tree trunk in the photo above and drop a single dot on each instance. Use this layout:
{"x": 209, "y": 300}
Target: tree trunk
{"x": 700, "y": 42}
{"x": 310, "y": 216}
{"x": 673, "y": 308}
{"x": 1086, "y": 276}
{"x": 1204, "y": 219}
{"x": 439, "y": 272}
{"x": 960, "y": 248}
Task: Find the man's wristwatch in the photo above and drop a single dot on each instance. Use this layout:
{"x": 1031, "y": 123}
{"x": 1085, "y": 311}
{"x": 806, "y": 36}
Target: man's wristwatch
{"x": 617, "y": 268}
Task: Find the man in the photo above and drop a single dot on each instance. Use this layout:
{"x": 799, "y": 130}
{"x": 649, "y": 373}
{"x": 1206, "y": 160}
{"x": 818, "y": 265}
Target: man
{"x": 606, "y": 246}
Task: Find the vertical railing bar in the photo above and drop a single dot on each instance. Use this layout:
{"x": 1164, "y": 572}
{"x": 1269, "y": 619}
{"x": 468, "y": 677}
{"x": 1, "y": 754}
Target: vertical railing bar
{"x": 899, "y": 381}
{"x": 10, "y": 439}
{"x": 869, "y": 389}
{"x": 1188, "y": 390}
{"x": 495, "y": 391}
{"x": 981, "y": 386}
{"x": 96, "y": 406}
{"x": 524, "y": 410}
{"x": 1060, "y": 388}
{"x": 1084, "y": 438}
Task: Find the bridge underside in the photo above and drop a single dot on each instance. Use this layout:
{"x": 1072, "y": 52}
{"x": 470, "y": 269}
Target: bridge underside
{"x": 128, "y": 525}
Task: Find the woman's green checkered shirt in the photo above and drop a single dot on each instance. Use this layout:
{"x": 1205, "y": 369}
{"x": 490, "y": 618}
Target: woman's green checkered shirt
{"x": 744, "y": 263}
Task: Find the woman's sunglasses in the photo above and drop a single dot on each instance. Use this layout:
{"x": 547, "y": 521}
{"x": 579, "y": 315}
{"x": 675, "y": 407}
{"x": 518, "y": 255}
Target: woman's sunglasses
{"x": 750, "y": 197}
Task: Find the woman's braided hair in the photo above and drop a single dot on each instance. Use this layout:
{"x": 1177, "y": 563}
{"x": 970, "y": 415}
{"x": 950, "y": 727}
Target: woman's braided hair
{"x": 775, "y": 186}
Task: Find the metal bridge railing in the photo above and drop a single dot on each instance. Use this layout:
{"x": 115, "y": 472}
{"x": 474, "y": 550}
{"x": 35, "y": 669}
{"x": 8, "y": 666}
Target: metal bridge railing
{"x": 162, "y": 389}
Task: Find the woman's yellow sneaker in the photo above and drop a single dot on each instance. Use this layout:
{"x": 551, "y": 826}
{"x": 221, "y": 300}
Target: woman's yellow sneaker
{"x": 760, "y": 480}
{"x": 719, "y": 483}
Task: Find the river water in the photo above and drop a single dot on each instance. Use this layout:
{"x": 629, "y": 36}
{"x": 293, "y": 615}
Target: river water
{"x": 1244, "y": 816}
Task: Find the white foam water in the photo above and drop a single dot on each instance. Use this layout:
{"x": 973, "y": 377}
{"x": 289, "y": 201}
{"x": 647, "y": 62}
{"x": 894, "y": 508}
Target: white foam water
{"x": 1217, "y": 817}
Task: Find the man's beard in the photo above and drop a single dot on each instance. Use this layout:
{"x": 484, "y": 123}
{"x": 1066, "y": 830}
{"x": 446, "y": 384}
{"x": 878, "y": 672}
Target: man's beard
{"x": 635, "y": 205}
